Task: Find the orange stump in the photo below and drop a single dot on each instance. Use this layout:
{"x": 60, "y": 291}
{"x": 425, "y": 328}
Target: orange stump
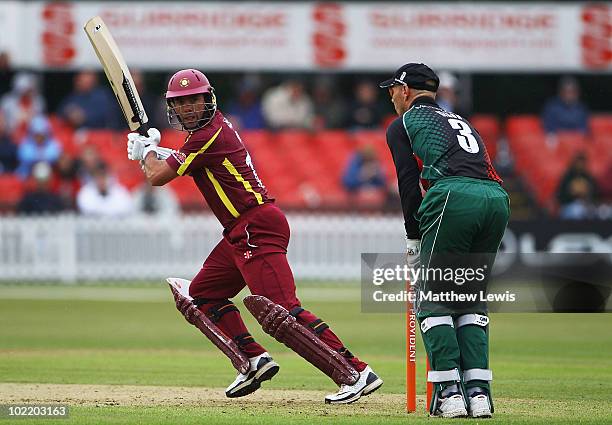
{"x": 429, "y": 387}
{"x": 410, "y": 355}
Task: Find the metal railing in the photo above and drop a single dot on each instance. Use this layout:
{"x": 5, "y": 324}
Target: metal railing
{"x": 69, "y": 248}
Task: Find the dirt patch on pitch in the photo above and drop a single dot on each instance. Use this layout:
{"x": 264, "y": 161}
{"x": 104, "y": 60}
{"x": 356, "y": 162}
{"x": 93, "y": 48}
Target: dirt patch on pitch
{"x": 286, "y": 404}
{"x": 132, "y": 395}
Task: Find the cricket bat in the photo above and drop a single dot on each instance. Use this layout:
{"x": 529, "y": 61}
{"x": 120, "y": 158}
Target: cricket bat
{"x": 118, "y": 74}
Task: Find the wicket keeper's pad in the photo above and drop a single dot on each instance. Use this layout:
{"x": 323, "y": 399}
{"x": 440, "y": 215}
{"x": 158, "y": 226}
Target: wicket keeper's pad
{"x": 279, "y": 323}
{"x": 462, "y": 221}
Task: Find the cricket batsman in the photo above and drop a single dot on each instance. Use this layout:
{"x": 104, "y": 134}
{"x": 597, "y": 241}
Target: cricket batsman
{"x": 252, "y": 251}
{"x": 464, "y": 212}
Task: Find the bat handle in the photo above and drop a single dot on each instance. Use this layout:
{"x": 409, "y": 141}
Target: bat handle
{"x": 143, "y": 130}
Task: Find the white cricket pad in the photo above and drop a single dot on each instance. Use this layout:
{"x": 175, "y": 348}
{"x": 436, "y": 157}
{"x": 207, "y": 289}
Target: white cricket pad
{"x": 431, "y": 322}
{"x": 472, "y": 319}
{"x": 181, "y": 285}
{"x": 443, "y": 375}
{"x": 477, "y": 374}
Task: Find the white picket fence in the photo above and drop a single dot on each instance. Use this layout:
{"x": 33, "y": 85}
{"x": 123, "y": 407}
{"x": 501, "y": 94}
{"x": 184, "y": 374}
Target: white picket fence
{"x": 69, "y": 248}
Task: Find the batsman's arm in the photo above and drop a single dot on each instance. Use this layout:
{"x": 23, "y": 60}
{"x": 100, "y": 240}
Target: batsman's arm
{"x": 157, "y": 171}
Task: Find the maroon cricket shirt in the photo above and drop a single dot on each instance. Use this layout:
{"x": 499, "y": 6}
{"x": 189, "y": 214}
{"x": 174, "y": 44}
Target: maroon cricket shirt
{"x": 222, "y": 169}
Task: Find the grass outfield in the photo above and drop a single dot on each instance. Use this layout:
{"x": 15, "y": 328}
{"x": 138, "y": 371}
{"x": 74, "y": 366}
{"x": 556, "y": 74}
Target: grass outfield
{"x": 123, "y": 355}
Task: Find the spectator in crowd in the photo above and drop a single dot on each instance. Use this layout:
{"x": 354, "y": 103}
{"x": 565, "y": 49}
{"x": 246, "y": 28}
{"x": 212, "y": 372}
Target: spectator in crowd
{"x": 605, "y": 189}
{"x": 103, "y": 196}
{"x": 246, "y": 111}
{"x": 577, "y": 191}
{"x": 6, "y": 72}
{"x": 288, "y": 106}
{"x": 363, "y": 171}
{"x": 366, "y": 113}
{"x": 66, "y": 179}
{"x": 41, "y": 199}
{"x": 446, "y": 96}
{"x": 22, "y": 103}
{"x": 449, "y": 96}
{"x": 156, "y": 200}
{"x": 8, "y": 149}
{"x": 331, "y": 110}
{"x": 566, "y": 112}
{"x": 89, "y": 105}
{"x": 605, "y": 184}
{"x": 38, "y": 146}
{"x": 88, "y": 162}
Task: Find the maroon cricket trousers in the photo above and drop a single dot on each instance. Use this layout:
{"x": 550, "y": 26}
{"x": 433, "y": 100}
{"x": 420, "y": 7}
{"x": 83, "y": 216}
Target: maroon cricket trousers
{"x": 253, "y": 252}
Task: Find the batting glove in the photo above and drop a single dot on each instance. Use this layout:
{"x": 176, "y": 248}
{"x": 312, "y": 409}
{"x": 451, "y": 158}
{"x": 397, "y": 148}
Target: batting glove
{"x": 154, "y": 136}
{"x": 138, "y": 146}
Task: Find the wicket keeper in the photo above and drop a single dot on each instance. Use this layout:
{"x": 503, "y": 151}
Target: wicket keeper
{"x": 252, "y": 251}
{"x": 464, "y": 211}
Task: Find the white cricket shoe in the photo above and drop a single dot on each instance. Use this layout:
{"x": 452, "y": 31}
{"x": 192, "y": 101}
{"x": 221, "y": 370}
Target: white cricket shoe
{"x": 452, "y": 406}
{"x": 367, "y": 383}
{"x": 262, "y": 369}
{"x": 480, "y": 406}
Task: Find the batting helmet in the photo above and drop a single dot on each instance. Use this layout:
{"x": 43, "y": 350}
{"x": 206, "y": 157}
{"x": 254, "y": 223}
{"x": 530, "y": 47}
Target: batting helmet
{"x": 187, "y": 82}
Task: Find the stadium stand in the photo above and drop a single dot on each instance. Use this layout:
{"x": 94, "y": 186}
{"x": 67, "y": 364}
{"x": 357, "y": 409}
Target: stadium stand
{"x": 542, "y": 164}
{"x": 303, "y": 169}
{"x": 490, "y": 130}
{"x": 11, "y": 188}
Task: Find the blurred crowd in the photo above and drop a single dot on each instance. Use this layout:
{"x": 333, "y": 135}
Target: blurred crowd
{"x": 61, "y": 180}
{"x": 579, "y": 194}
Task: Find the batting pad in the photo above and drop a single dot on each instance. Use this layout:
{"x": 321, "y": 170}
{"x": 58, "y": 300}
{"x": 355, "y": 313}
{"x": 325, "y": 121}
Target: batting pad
{"x": 181, "y": 285}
